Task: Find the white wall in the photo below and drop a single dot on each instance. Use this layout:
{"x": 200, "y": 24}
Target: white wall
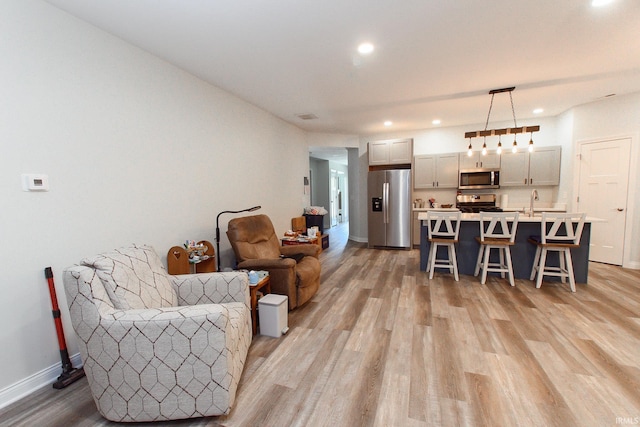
{"x": 136, "y": 151}
{"x": 358, "y": 167}
{"x": 320, "y": 175}
{"x": 607, "y": 119}
{"x": 321, "y": 139}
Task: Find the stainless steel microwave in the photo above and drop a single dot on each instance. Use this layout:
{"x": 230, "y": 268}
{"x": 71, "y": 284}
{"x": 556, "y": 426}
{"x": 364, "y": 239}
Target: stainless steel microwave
{"x": 476, "y": 179}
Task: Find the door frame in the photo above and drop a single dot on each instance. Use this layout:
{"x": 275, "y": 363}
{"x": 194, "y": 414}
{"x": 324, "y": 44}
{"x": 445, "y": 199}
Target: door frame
{"x": 632, "y": 188}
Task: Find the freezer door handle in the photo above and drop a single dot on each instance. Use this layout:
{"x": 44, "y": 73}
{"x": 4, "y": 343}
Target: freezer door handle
{"x": 385, "y": 202}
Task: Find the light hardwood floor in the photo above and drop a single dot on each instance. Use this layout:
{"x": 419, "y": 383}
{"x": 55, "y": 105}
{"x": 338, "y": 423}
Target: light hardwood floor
{"x": 382, "y": 345}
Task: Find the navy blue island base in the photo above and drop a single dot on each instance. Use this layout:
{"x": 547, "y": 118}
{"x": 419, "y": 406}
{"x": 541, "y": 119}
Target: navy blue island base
{"x": 522, "y": 253}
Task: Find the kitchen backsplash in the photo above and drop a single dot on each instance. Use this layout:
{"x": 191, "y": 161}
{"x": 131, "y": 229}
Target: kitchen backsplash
{"x": 517, "y": 197}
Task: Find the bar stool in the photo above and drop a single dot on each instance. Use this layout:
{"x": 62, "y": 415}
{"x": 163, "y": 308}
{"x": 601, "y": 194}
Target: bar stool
{"x": 559, "y": 233}
{"x": 495, "y": 233}
{"x": 443, "y": 229}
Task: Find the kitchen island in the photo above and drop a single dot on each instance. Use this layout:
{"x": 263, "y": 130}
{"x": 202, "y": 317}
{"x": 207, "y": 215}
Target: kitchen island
{"x": 522, "y": 252}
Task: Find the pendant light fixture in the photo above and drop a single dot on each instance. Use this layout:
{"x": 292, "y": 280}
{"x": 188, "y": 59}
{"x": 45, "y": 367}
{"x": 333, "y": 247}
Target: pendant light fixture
{"x": 531, "y": 142}
{"x": 515, "y": 130}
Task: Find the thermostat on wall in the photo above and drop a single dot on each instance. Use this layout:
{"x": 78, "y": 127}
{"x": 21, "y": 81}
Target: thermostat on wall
{"x": 35, "y": 182}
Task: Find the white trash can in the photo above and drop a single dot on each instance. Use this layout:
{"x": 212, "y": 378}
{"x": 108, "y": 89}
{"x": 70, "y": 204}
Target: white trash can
{"x": 273, "y": 311}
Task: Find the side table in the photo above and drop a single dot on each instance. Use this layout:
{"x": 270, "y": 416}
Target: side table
{"x": 292, "y": 241}
{"x": 264, "y": 283}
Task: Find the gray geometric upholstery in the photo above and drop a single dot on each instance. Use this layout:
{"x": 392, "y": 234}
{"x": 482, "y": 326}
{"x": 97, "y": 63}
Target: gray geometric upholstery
{"x": 133, "y": 278}
{"x": 153, "y": 359}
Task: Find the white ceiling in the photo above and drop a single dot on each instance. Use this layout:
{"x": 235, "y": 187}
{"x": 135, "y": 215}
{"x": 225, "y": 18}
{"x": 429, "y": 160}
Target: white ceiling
{"x": 433, "y": 59}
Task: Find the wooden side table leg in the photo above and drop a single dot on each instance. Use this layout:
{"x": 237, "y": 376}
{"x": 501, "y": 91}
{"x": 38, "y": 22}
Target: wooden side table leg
{"x": 254, "y": 309}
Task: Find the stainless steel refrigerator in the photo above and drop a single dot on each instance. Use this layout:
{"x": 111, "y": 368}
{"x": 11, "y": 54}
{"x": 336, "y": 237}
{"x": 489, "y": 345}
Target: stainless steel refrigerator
{"x": 389, "y": 200}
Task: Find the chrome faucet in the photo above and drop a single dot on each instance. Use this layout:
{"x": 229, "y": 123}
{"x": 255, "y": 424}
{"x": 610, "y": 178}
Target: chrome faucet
{"x": 534, "y": 196}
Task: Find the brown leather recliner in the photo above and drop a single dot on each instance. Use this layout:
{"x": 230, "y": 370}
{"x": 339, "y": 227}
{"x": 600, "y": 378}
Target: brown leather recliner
{"x": 257, "y": 247}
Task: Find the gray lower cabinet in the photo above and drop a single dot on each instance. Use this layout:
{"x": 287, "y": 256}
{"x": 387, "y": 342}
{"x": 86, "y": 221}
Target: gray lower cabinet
{"x": 416, "y": 229}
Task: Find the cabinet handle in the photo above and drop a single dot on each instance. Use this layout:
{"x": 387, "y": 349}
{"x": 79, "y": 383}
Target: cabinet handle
{"x": 525, "y": 181}
{"x": 530, "y": 180}
{"x": 433, "y": 183}
{"x": 620, "y": 209}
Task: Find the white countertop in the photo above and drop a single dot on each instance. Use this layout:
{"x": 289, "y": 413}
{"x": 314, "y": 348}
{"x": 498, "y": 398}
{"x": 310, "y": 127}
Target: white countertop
{"x": 522, "y": 218}
{"x": 513, "y": 209}
{"x": 535, "y": 209}
{"x": 434, "y": 209}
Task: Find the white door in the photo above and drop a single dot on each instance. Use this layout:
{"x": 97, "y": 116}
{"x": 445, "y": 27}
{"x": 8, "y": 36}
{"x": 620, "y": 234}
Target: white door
{"x": 604, "y": 178}
{"x": 335, "y": 189}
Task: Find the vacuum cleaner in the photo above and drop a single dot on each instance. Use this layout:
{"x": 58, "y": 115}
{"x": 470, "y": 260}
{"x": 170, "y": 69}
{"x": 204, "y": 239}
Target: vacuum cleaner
{"x": 69, "y": 373}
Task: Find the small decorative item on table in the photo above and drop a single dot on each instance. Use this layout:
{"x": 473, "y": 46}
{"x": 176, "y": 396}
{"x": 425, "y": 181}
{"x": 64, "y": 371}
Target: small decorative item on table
{"x": 191, "y": 258}
{"x": 195, "y": 250}
{"x": 299, "y": 240}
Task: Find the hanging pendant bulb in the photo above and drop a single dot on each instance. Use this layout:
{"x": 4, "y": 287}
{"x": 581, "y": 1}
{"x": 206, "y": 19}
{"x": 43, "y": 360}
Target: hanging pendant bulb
{"x": 484, "y": 147}
{"x": 499, "y": 150}
{"x": 470, "y": 150}
{"x": 531, "y": 143}
{"x": 514, "y": 149}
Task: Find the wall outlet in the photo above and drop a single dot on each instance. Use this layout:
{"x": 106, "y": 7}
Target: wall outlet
{"x": 35, "y": 182}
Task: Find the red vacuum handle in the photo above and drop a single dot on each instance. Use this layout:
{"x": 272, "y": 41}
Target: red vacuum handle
{"x": 48, "y": 273}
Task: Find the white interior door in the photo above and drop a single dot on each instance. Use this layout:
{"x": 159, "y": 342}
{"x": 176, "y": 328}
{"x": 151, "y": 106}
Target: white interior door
{"x": 343, "y": 212}
{"x": 334, "y": 189}
{"x": 604, "y": 179}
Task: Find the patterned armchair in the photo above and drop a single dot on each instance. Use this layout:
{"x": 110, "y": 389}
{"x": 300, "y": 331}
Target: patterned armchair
{"x": 154, "y": 346}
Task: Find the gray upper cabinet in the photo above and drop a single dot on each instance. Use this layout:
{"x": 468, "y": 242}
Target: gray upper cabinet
{"x": 514, "y": 169}
{"x": 390, "y": 152}
{"x": 435, "y": 171}
{"x": 491, "y": 160}
{"x": 540, "y": 167}
{"x": 544, "y": 166}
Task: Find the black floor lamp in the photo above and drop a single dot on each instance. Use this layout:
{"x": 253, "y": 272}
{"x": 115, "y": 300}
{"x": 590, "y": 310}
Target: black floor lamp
{"x": 255, "y": 208}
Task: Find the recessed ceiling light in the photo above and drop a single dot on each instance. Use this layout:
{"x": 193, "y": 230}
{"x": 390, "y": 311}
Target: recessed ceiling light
{"x": 365, "y": 48}
{"x": 598, "y": 3}
{"x": 436, "y": 122}
{"x": 388, "y": 123}
{"x": 538, "y": 111}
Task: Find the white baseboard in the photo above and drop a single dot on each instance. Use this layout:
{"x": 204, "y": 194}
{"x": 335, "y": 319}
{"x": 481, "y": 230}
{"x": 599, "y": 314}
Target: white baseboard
{"x": 26, "y": 386}
{"x": 632, "y": 265}
{"x": 358, "y": 239}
